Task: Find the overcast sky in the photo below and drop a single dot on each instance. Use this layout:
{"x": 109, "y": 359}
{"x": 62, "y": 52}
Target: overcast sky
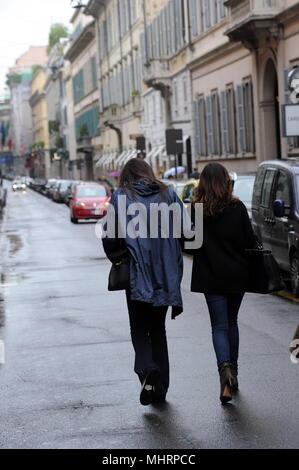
{"x": 25, "y": 23}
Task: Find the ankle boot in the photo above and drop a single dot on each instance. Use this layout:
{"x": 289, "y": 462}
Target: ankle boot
{"x": 235, "y": 384}
{"x": 226, "y": 381}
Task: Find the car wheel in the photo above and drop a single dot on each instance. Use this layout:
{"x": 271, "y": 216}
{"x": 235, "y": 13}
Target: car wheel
{"x": 73, "y": 219}
{"x": 295, "y": 275}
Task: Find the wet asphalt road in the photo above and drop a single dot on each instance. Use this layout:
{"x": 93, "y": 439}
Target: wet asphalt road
{"x": 67, "y": 381}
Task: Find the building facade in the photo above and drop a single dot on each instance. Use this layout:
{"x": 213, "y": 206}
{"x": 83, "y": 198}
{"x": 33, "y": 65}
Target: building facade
{"x": 239, "y": 64}
{"x": 82, "y": 56}
{"x": 119, "y": 67}
{"x": 40, "y": 159}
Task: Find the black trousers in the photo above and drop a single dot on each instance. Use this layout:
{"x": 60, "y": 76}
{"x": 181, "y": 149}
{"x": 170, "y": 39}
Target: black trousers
{"x": 149, "y": 340}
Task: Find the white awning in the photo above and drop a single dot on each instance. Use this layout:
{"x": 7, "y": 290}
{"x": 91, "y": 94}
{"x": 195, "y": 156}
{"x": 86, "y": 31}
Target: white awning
{"x": 154, "y": 152}
{"x": 102, "y": 160}
{"x": 112, "y": 156}
{"x": 148, "y": 155}
{"x": 124, "y": 155}
{"x": 119, "y": 158}
{"x": 132, "y": 154}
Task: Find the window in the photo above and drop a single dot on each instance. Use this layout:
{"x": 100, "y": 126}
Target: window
{"x": 213, "y": 124}
{"x": 195, "y": 18}
{"x": 228, "y": 121}
{"x": 245, "y": 118}
{"x": 267, "y": 187}
{"x": 200, "y": 127}
{"x": 293, "y": 142}
{"x": 283, "y": 189}
{"x": 91, "y": 191}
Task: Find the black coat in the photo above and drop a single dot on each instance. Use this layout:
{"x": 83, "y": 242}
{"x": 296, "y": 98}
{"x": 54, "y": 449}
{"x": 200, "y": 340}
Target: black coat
{"x": 220, "y": 265}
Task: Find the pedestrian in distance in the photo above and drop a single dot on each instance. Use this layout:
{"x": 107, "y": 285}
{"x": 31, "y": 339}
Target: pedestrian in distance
{"x": 156, "y": 269}
{"x": 220, "y": 268}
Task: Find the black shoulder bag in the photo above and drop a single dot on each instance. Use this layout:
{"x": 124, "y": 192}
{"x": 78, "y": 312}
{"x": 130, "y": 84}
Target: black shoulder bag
{"x": 264, "y": 272}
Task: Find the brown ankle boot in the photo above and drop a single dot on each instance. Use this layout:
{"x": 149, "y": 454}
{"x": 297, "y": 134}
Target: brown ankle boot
{"x": 235, "y": 384}
{"x": 226, "y": 382}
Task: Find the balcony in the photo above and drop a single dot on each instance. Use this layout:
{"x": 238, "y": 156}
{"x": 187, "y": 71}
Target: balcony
{"x": 249, "y": 20}
{"x": 157, "y": 74}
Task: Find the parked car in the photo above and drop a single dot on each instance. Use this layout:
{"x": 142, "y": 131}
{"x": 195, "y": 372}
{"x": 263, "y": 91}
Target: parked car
{"x": 60, "y": 190}
{"x": 189, "y": 190}
{"x": 275, "y": 213}
{"x": 243, "y": 189}
{"x": 3, "y": 194}
{"x": 50, "y": 187}
{"x": 177, "y": 186}
{"x": 89, "y": 201}
{"x": 70, "y": 191}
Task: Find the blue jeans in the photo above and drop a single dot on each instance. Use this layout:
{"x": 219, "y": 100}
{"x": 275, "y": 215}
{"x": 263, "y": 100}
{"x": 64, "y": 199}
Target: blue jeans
{"x": 224, "y": 311}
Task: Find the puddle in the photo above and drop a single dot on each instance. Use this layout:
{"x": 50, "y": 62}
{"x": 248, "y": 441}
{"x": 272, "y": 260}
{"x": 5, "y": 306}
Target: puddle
{"x": 10, "y": 279}
{"x": 15, "y": 243}
{"x": 2, "y": 313}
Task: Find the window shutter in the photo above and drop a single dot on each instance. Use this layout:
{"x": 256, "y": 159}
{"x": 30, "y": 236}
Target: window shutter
{"x": 207, "y": 13}
{"x": 241, "y": 118}
{"x": 194, "y": 18}
{"x": 196, "y": 114}
{"x": 210, "y": 134}
{"x": 221, "y": 8}
{"x": 224, "y": 122}
{"x": 249, "y": 117}
{"x": 172, "y": 27}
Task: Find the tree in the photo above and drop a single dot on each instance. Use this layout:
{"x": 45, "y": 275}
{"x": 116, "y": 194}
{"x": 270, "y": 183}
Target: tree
{"x": 57, "y": 32}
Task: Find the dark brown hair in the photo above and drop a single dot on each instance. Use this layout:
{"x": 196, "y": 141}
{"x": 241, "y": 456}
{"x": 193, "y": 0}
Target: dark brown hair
{"x": 137, "y": 169}
{"x": 215, "y": 189}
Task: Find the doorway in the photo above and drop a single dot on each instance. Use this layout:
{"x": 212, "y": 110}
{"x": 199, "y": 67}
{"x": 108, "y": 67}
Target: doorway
{"x": 270, "y": 108}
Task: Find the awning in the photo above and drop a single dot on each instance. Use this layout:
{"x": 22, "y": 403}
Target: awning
{"x": 112, "y": 156}
{"x": 102, "y": 160}
{"x": 154, "y": 152}
{"x": 119, "y": 158}
{"x": 131, "y": 155}
{"x": 123, "y": 157}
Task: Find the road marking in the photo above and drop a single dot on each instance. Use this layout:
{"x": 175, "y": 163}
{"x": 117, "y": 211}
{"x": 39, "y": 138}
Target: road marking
{"x": 288, "y": 296}
{"x": 2, "y": 352}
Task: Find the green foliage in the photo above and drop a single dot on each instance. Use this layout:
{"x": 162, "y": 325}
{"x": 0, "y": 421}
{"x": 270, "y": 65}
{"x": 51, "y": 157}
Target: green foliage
{"x": 35, "y": 68}
{"x": 59, "y": 142}
{"x": 53, "y": 127}
{"x": 84, "y": 130}
{"x": 57, "y": 31}
{"x": 13, "y": 79}
{"x": 38, "y": 145}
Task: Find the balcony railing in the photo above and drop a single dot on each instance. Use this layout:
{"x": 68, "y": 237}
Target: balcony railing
{"x": 156, "y": 72}
{"x": 240, "y": 10}
{"x": 245, "y": 16}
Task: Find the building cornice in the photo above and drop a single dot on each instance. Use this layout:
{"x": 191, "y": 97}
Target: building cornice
{"x": 79, "y": 45}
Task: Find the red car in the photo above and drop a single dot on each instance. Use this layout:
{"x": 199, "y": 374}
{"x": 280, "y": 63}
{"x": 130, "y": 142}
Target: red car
{"x": 89, "y": 201}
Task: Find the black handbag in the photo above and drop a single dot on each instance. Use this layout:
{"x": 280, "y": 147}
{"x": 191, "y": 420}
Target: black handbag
{"x": 264, "y": 272}
{"x": 119, "y": 276}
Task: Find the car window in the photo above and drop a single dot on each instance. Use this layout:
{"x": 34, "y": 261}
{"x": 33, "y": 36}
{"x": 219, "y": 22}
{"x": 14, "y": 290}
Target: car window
{"x": 92, "y": 191}
{"x": 267, "y": 187}
{"x": 282, "y": 190}
{"x": 243, "y": 189}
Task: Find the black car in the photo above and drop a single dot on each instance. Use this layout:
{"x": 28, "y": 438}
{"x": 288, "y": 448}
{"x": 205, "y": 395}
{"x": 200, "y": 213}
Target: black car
{"x": 60, "y": 190}
{"x": 50, "y": 187}
{"x": 70, "y": 191}
{"x": 275, "y": 213}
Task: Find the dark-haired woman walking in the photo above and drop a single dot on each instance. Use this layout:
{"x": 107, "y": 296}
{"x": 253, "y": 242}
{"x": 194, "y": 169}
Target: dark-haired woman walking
{"x": 220, "y": 269}
{"x": 156, "y": 268}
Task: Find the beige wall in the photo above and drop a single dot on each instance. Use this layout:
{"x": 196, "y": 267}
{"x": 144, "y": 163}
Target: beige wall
{"x": 40, "y": 110}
